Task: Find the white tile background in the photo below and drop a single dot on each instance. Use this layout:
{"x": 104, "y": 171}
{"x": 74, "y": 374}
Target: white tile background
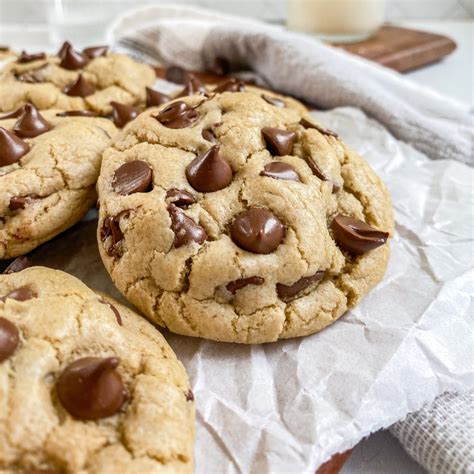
{"x": 35, "y": 11}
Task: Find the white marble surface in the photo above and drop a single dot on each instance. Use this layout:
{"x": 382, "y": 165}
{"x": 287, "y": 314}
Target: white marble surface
{"x": 381, "y": 452}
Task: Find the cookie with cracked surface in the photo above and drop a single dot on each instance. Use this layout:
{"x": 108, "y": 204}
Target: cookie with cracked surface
{"x": 234, "y": 219}
{"x": 86, "y": 385}
{"x": 49, "y": 164}
{"x": 73, "y": 80}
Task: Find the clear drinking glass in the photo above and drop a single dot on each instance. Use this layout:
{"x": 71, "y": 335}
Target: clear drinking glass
{"x": 336, "y": 20}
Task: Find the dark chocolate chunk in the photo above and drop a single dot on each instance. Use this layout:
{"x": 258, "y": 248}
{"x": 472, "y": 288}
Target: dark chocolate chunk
{"x": 31, "y": 123}
{"x": 111, "y": 228}
{"x": 176, "y": 74}
{"x": 274, "y": 101}
{"x": 325, "y": 131}
{"x": 95, "y": 51}
{"x": 180, "y": 197}
{"x": 122, "y": 114}
{"x": 356, "y": 236}
{"x": 133, "y": 177}
{"x": 185, "y": 229}
{"x": 154, "y": 98}
{"x": 257, "y": 230}
{"x": 177, "y": 115}
{"x": 79, "y": 88}
{"x": 28, "y": 58}
{"x": 12, "y": 148}
{"x": 19, "y": 264}
{"x": 279, "y": 142}
{"x": 116, "y": 312}
{"x": 72, "y": 59}
{"x": 91, "y": 388}
{"x": 24, "y": 293}
{"x": 288, "y": 291}
{"x": 19, "y": 202}
{"x": 209, "y": 172}
{"x": 9, "y": 339}
{"x": 231, "y": 85}
{"x": 77, "y": 113}
{"x": 233, "y": 286}
{"x": 280, "y": 170}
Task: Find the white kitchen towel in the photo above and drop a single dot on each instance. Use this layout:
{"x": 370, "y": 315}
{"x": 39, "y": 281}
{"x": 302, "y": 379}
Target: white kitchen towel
{"x": 301, "y": 66}
{"x": 441, "y": 436}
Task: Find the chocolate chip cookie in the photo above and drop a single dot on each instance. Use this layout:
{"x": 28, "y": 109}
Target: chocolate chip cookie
{"x": 74, "y": 80}
{"x": 86, "y": 385}
{"x": 49, "y": 164}
{"x": 237, "y": 219}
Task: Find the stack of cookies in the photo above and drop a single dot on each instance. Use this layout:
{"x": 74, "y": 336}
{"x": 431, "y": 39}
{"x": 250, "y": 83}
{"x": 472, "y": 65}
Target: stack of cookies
{"x": 226, "y": 212}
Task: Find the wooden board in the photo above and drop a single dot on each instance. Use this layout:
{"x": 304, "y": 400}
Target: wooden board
{"x": 402, "y": 49}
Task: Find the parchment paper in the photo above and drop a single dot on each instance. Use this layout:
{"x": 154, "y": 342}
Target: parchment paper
{"x": 287, "y": 407}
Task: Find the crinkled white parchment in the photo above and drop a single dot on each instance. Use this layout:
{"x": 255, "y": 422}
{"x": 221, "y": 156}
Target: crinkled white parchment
{"x": 286, "y": 407}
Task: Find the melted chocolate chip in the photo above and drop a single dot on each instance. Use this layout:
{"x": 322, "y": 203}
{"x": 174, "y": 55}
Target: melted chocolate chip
{"x": 122, "y": 114}
{"x": 280, "y": 170}
{"x": 19, "y": 264}
{"x": 325, "y": 131}
{"x": 288, "y": 291}
{"x": 189, "y": 396}
{"x": 176, "y": 74}
{"x": 177, "y": 115}
{"x": 9, "y": 339}
{"x": 15, "y": 114}
{"x": 209, "y": 172}
{"x": 114, "y": 310}
{"x": 79, "y": 88}
{"x": 72, "y": 59}
{"x": 233, "y": 286}
{"x": 111, "y": 228}
{"x": 180, "y": 197}
{"x": 133, "y": 177}
{"x": 274, "y": 101}
{"x": 31, "y": 123}
{"x": 77, "y": 113}
{"x": 356, "y": 236}
{"x": 19, "y": 202}
{"x": 28, "y": 58}
{"x": 232, "y": 85}
{"x": 12, "y": 148}
{"x": 279, "y": 142}
{"x": 258, "y": 231}
{"x": 95, "y": 51}
{"x": 185, "y": 229}
{"x": 62, "y": 50}
{"x": 154, "y": 98}
{"x": 91, "y": 388}
{"x": 24, "y": 293}
{"x": 192, "y": 86}
{"x": 208, "y": 135}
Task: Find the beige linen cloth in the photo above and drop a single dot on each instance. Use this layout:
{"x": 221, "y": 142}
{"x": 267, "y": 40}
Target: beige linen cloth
{"x": 438, "y": 437}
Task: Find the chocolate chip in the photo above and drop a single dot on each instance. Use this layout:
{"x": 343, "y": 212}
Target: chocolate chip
{"x": 356, "y": 236}
{"x": 72, "y": 59}
{"x": 233, "y": 286}
{"x": 317, "y": 172}
{"x": 288, "y": 291}
{"x": 209, "y": 172}
{"x": 180, "y": 197}
{"x": 79, "y": 88}
{"x": 192, "y": 86}
{"x": 12, "y": 148}
{"x": 279, "y": 142}
{"x": 77, "y": 113}
{"x": 19, "y": 202}
{"x": 325, "y": 131}
{"x": 280, "y": 170}
{"x": 176, "y": 74}
{"x": 28, "y": 58}
{"x": 62, "y": 50}
{"x": 185, "y": 229}
{"x": 177, "y": 115}
{"x": 95, "y": 51}
{"x": 24, "y": 293}
{"x": 31, "y": 77}
{"x": 274, "y": 101}
{"x": 220, "y": 66}
{"x": 208, "y": 135}
{"x": 258, "y": 231}
{"x": 4, "y": 49}
{"x": 114, "y": 310}
{"x": 133, "y": 177}
{"x": 189, "y": 396}
{"x": 231, "y": 85}
{"x": 19, "y": 264}
{"x": 122, "y": 114}
{"x": 9, "y": 339}
{"x": 154, "y": 98}
{"x": 31, "y": 123}
{"x": 91, "y": 388}
{"x": 111, "y": 228}
{"x": 15, "y": 114}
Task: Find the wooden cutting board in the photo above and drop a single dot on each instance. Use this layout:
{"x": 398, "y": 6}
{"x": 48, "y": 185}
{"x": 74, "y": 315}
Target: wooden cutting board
{"x": 402, "y": 49}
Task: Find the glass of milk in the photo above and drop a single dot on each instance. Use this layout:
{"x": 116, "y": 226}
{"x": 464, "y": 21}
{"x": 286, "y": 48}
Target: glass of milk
{"x": 336, "y": 20}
